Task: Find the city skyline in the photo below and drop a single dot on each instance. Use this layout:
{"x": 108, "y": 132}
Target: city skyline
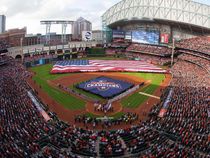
{"x": 30, "y": 13}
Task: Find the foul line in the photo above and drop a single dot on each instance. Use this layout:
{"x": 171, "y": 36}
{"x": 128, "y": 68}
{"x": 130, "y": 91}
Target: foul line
{"x": 149, "y": 95}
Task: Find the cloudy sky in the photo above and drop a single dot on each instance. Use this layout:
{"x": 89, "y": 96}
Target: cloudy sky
{"x": 29, "y": 13}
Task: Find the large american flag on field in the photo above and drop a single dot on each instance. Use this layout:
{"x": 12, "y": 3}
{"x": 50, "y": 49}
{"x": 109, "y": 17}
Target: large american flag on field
{"x": 104, "y": 66}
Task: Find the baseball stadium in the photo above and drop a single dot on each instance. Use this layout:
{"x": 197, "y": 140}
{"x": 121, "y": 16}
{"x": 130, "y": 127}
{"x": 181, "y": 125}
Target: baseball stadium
{"x": 142, "y": 90}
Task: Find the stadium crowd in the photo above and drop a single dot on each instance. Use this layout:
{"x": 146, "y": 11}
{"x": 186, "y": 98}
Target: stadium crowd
{"x": 149, "y": 58}
{"x": 150, "y": 49}
{"x": 201, "y": 44}
{"x": 20, "y": 122}
{"x": 3, "y": 59}
{"x": 3, "y": 45}
{"x": 203, "y": 62}
{"x": 182, "y": 132}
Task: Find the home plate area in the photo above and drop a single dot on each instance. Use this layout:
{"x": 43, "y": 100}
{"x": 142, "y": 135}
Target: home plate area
{"x": 105, "y": 87}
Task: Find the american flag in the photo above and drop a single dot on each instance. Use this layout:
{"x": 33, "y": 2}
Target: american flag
{"x": 105, "y": 66}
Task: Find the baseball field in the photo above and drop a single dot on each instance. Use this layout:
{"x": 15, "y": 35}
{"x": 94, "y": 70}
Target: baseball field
{"x": 67, "y": 105}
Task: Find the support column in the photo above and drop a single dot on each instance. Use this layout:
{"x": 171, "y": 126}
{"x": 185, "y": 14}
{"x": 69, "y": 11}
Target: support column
{"x": 63, "y": 38}
{"x": 47, "y": 37}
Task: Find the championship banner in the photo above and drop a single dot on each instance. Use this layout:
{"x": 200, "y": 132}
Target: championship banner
{"x": 105, "y": 87}
{"x": 164, "y": 38}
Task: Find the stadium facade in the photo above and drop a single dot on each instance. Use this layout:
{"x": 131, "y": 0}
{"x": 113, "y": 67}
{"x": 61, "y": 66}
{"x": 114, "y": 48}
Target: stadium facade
{"x": 178, "y": 19}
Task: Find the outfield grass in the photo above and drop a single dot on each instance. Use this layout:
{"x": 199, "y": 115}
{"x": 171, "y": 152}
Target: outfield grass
{"x": 41, "y": 77}
{"x": 136, "y": 99}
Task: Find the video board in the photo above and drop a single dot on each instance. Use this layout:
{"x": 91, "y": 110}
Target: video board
{"x": 146, "y": 36}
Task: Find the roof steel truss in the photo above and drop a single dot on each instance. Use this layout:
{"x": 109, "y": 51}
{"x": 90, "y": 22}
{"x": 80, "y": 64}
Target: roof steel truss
{"x": 184, "y": 11}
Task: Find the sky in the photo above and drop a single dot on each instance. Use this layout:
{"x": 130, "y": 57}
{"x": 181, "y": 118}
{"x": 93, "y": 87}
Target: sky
{"x": 29, "y": 13}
